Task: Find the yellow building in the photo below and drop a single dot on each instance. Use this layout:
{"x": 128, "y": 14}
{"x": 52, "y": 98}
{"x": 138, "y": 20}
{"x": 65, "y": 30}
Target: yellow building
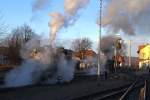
{"x": 144, "y": 55}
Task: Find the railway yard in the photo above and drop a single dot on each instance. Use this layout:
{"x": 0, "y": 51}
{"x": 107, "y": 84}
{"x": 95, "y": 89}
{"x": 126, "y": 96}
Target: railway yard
{"x": 117, "y": 86}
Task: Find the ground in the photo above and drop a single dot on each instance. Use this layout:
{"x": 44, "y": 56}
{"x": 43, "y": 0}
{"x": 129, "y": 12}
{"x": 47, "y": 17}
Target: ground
{"x": 80, "y": 86}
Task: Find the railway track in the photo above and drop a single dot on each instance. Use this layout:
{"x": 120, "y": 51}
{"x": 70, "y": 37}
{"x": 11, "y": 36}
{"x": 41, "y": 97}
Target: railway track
{"x": 137, "y": 90}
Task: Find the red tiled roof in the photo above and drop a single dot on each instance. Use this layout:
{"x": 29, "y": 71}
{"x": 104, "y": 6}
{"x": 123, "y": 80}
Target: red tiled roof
{"x": 140, "y": 47}
{"x": 85, "y": 53}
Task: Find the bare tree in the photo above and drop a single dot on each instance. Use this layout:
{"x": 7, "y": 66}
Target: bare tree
{"x": 24, "y": 33}
{"x": 81, "y": 44}
{"x": 3, "y": 29}
{"x": 19, "y": 37}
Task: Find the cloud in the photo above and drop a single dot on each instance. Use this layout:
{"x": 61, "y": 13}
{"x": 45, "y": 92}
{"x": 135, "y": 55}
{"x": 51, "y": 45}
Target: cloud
{"x": 40, "y": 4}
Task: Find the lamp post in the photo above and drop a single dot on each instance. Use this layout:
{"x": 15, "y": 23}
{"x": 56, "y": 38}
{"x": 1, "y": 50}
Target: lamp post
{"x": 99, "y": 44}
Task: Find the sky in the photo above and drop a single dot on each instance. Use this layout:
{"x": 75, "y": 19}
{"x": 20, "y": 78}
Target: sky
{"x": 18, "y": 12}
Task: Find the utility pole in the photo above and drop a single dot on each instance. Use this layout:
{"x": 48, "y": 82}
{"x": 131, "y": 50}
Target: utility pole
{"x": 149, "y": 60}
{"x": 115, "y": 57}
{"x": 99, "y": 44}
{"x": 129, "y": 50}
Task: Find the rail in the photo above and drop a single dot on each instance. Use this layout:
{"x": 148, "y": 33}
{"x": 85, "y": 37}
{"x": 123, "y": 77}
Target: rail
{"x": 127, "y": 91}
{"x": 105, "y": 94}
{"x": 118, "y": 93}
{"x": 145, "y": 90}
{"x": 136, "y": 85}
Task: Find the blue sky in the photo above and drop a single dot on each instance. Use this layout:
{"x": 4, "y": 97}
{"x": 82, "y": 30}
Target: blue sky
{"x": 18, "y": 12}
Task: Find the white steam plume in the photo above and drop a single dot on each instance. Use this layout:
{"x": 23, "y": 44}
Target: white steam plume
{"x": 92, "y": 70}
{"x": 108, "y": 46}
{"x": 71, "y": 7}
{"x": 26, "y": 74}
{"x": 56, "y": 23}
{"x": 49, "y": 64}
{"x": 66, "y": 71}
{"x": 128, "y": 16}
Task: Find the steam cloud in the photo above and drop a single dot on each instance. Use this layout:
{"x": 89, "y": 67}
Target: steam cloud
{"x": 57, "y": 22}
{"x": 46, "y": 66}
{"x": 108, "y": 46}
{"x": 128, "y": 16}
{"x": 71, "y": 7}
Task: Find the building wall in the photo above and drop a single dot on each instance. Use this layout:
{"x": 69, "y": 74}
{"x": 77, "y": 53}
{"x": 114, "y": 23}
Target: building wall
{"x": 3, "y": 56}
{"x": 87, "y": 58}
{"x": 144, "y": 56}
{"x": 3, "y": 60}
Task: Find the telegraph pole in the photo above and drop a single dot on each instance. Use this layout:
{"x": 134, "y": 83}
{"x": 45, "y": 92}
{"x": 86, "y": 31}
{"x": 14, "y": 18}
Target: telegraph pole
{"x": 149, "y": 61}
{"x": 99, "y": 44}
{"x": 129, "y": 59}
